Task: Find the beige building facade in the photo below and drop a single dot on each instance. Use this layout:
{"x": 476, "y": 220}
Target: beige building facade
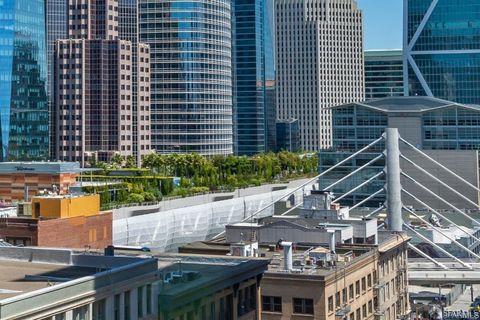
{"x": 94, "y": 114}
{"x": 319, "y": 57}
{"x": 370, "y": 284}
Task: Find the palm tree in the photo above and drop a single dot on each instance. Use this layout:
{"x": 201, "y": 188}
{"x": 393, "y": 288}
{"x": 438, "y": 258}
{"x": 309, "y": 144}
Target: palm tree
{"x": 117, "y": 160}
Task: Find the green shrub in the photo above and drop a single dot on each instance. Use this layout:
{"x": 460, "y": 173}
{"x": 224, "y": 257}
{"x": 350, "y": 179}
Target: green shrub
{"x": 185, "y": 183}
{"x": 182, "y": 192}
{"x": 135, "y": 198}
{"x": 194, "y": 190}
{"x": 232, "y": 181}
{"x": 149, "y": 197}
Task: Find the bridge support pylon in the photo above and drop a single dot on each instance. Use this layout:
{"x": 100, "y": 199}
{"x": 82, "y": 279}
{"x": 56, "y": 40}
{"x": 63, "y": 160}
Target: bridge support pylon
{"x": 393, "y": 185}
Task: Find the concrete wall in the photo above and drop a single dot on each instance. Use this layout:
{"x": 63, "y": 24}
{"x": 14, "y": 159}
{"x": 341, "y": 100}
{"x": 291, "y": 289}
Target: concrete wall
{"x": 36, "y": 255}
{"x": 409, "y": 128}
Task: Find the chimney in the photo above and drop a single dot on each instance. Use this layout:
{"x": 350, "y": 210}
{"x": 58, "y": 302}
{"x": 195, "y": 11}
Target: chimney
{"x": 287, "y": 255}
{"x": 331, "y": 234}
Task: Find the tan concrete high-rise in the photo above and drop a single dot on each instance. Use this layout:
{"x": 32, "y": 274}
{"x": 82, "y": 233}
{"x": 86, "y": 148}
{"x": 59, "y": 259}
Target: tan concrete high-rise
{"x": 128, "y": 30}
{"x": 94, "y": 86}
{"x": 319, "y": 55}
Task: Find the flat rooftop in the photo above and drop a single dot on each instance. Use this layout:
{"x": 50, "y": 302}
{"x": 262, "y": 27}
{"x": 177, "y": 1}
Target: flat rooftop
{"x": 408, "y": 104}
{"x": 15, "y": 276}
{"x": 27, "y": 269}
{"x": 39, "y": 167}
{"x": 276, "y": 266}
{"x": 63, "y": 196}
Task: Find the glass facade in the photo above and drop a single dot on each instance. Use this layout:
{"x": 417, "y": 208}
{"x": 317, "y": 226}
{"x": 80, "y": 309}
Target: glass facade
{"x": 445, "y": 50}
{"x": 383, "y": 73}
{"x": 354, "y": 127}
{"x": 447, "y": 128}
{"x": 191, "y": 74}
{"x": 328, "y": 159}
{"x": 451, "y": 129}
{"x": 252, "y": 67}
{"x": 288, "y": 135}
{"x": 56, "y": 12}
{"x": 23, "y": 96}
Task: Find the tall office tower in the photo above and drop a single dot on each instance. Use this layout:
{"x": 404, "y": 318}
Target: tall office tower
{"x": 56, "y": 13}
{"x": 319, "y": 56}
{"x": 128, "y": 30}
{"x": 383, "y": 73}
{"x": 191, "y": 76}
{"x": 93, "y": 19}
{"x": 270, "y": 98}
{"x": 93, "y": 89}
{"x": 23, "y": 78}
{"x": 252, "y": 56}
{"x": 442, "y": 49}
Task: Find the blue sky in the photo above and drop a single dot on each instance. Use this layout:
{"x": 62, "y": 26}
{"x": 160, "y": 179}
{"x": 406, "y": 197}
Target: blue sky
{"x": 383, "y": 23}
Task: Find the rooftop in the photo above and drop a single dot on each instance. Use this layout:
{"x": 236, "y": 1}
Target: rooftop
{"x": 349, "y": 254}
{"x": 27, "y": 269}
{"x": 383, "y": 53}
{"x": 408, "y": 104}
{"x": 17, "y": 277}
{"x": 40, "y": 167}
{"x": 201, "y": 273}
{"x": 346, "y": 257}
{"x": 63, "y": 196}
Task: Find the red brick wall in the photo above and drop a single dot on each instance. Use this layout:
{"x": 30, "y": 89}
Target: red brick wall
{"x": 77, "y": 232}
{"x": 18, "y": 230}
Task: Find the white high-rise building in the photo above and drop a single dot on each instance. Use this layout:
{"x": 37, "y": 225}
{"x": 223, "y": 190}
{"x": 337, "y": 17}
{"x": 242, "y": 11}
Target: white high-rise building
{"x": 319, "y": 54}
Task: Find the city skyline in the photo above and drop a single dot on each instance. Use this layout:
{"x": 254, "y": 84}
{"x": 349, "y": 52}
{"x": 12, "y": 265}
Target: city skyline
{"x": 319, "y": 56}
{"x": 239, "y": 159}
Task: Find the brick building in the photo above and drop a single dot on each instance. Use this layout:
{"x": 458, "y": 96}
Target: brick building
{"x": 94, "y": 232}
{"x": 19, "y": 181}
{"x": 60, "y": 221}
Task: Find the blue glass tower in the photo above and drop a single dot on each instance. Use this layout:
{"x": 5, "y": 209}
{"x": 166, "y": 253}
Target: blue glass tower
{"x": 253, "y": 66}
{"x": 23, "y": 96}
{"x": 191, "y": 74}
{"x": 442, "y": 49}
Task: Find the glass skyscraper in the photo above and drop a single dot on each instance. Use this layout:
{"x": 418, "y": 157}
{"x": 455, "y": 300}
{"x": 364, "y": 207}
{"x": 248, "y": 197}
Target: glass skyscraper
{"x": 191, "y": 74}
{"x": 56, "y": 12}
{"x": 383, "y": 73}
{"x": 23, "y": 75}
{"x": 253, "y": 66}
{"x": 442, "y": 49}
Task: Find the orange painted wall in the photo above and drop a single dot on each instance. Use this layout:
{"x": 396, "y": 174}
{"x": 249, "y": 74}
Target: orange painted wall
{"x": 56, "y": 207}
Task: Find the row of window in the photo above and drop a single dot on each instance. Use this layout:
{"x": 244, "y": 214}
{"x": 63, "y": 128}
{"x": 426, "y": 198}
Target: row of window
{"x": 99, "y": 308}
{"x": 300, "y": 305}
{"x": 354, "y": 290}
